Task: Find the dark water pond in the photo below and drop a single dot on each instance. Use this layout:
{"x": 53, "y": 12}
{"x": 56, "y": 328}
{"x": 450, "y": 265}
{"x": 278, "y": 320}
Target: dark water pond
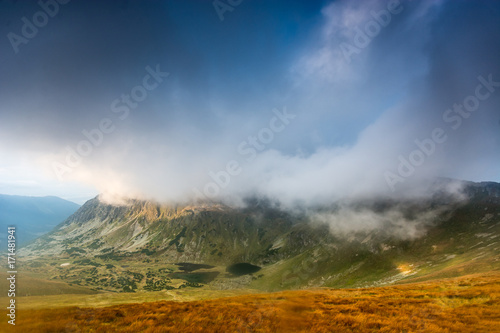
{"x": 242, "y": 268}
{"x": 204, "y": 277}
{"x": 189, "y": 267}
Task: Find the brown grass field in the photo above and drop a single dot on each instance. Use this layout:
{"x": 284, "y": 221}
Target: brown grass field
{"x": 466, "y": 304}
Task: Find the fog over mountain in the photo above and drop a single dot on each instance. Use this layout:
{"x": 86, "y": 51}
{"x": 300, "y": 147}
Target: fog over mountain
{"x": 320, "y": 101}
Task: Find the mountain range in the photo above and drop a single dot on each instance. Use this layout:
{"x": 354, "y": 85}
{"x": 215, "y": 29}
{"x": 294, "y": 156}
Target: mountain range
{"x": 32, "y": 216}
{"x": 144, "y": 245}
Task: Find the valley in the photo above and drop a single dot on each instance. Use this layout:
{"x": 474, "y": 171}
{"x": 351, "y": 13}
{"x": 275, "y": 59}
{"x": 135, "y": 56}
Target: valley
{"x": 145, "y": 246}
{"x": 107, "y": 256}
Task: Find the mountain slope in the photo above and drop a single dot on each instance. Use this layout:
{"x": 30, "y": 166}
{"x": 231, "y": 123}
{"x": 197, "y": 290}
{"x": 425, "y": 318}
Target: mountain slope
{"x": 212, "y": 233}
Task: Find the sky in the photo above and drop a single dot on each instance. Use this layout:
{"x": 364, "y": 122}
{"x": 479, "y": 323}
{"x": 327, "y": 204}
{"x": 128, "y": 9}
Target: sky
{"x": 303, "y": 102}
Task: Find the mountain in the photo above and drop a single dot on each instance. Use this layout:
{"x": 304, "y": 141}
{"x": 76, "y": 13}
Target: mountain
{"x": 32, "y": 216}
{"x": 151, "y": 246}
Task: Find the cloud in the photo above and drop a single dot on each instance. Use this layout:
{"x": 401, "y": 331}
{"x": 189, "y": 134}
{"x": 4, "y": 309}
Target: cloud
{"x": 353, "y": 120}
{"x": 390, "y": 223}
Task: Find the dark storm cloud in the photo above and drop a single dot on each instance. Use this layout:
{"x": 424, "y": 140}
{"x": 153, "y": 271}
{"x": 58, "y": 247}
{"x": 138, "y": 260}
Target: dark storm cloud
{"x": 83, "y": 58}
{"x": 352, "y": 118}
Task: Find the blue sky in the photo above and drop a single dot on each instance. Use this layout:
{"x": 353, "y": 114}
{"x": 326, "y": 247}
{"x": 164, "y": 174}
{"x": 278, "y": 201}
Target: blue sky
{"x": 357, "y": 99}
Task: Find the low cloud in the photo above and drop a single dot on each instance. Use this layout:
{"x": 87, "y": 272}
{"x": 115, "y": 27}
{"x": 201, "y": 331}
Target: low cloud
{"x": 352, "y": 119}
{"x": 394, "y": 222}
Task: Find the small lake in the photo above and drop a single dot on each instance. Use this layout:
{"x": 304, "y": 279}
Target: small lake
{"x": 204, "y": 277}
{"x": 242, "y": 268}
{"x": 189, "y": 267}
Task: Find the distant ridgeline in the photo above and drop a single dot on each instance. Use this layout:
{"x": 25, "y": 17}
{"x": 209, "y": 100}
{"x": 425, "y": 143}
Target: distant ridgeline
{"x": 32, "y": 216}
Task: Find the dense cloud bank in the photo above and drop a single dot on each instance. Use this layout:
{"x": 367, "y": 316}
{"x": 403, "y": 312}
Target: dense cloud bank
{"x": 374, "y": 99}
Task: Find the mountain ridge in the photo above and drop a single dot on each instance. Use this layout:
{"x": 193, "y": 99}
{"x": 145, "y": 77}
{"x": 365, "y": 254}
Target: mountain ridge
{"x": 32, "y": 216}
{"x": 451, "y": 237}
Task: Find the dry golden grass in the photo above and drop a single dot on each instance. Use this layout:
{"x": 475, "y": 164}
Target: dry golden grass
{"x": 467, "y": 304}
{"x": 27, "y": 285}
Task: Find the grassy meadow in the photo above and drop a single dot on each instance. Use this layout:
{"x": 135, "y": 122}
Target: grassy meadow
{"x": 466, "y": 304}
